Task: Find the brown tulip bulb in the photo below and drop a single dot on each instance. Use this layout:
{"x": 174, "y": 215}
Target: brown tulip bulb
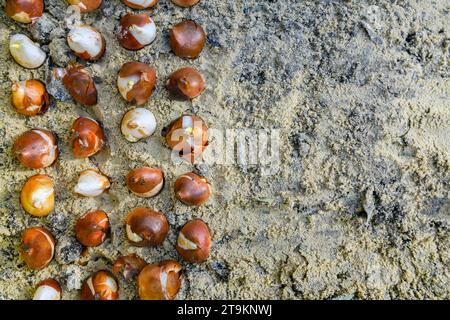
{"x": 30, "y": 97}
{"x": 192, "y": 189}
{"x": 24, "y": 11}
{"x": 88, "y": 137}
{"x": 36, "y": 148}
{"x": 185, "y": 84}
{"x": 48, "y": 289}
{"x": 140, "y": 4}
{"x": 86, "y": 42}
{"x": 86, "y": 5}
{"x": 38, "y": 247}
{"x": 136, "y": 82}
{"x": 100, "y": 286}
{"x": 160, "y": 281}
{"x": 145, "y": 227}
{"x": 145, "y": 182}
{"x": 136, "y": 31}
{"x": 129, "y": 266}
{"x": 187, "y": 136}
{"x": 185, "y": 3}
{"x": 187, "y": 39}
{"x": 80, "y": 85}
{"x": 38, "y": 195}
{"x": 92, "y": 228}
{"x": 194, "y": 241}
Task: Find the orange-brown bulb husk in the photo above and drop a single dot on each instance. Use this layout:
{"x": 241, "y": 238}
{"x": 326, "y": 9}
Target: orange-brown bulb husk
{"x": 30, "y": 97}
{"x": 129, "y": 266}
{"x": 136, "y": 82}
{"x": 36, "y": 148}
{"x": 185, "y": 83}
{"x": 145, "y": 181}
{"x": 136, "y": 31}
{"x": 88, "y": 137}
{"x": 86, "y": 5}
{"x": 192, "y": 189}
{"x": 187, "y": 39}
{"x": 80, "y": 85}
{"x": 145, "y": 227}
{"x": 37, "y": 196}
{"x": 194, "y": 241}
{"x": 100, "y": 286}
{"x": 24, "y": 11}
{"x": 92, "y": 228}
{"x": 135, "y": 4}
{"x": 38, "y": 247}
{"x": 185, "y": 3}
{"x": 160, "y": 281}
{"x": 187, "y": 136}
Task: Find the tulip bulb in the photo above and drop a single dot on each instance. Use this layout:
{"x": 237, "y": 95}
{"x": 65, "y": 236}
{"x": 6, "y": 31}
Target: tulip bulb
{"x": 91, "y": 183}
{"x": 26, "y": 52}
{"x": 38, "y": 195}
{"x": 137, "y": 124}
{"x": 86, "y": 42}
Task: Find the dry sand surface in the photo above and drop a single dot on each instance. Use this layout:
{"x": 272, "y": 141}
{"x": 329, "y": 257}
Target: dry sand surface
{"x": 359, "y": 208}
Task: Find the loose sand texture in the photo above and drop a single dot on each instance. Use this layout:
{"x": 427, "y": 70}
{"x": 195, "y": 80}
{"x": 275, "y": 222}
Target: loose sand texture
{"x": 359, "y": 208}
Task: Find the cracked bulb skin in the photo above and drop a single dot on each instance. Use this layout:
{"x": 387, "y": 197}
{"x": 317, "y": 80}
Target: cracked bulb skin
{"x": 160, "y": 281}
{"x": 145, "y": 227}
{"x": 91, "y": 183}
{"x": 192, "y": 189}
{"x": 29, "y": 97}
{"x": 37, "y": 248}
{"x": 187, "y": 136}
{"x": 136, "y": 82}
{"x": 25, "y": 52}
{"x": 129, "y": 266}
{"x": 187, "y": 39}
{"x": 145, "y": 182}
{"x": 86, "y": 42}
{"x": 38, "y": 195}
{"x": 140, "y": 4}
{"x": 136, "y": 31}
{"x": 36, "y": 148}
{"x": 92, "y": 228}
{"x": 100, "y": 286}
{"x": 88, "y": 137}
{"x": 185, "y": 84}
{"x": 138, "y": 124}
{"x": 86, "y": 6}
{"x": 24, "y": 11}
{"x": 194, "y": 241}
{"x": 48, "y": 289}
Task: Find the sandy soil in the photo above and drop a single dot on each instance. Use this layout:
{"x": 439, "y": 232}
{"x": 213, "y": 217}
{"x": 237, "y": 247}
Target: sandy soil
{"x": 360, "y": 206}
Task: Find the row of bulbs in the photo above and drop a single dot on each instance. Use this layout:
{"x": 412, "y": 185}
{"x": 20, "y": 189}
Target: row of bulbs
{"x": 37, "y": 148}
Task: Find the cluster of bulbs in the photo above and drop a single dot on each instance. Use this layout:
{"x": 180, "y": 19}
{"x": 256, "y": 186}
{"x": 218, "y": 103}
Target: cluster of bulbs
{"x": 37, "y": 148}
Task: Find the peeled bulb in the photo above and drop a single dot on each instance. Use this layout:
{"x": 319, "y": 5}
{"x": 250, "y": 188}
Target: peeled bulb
{"x": 48, "y": 290}
{"x": 140, "y": 4}
{"x": 86, "y": 42}
{"x": 137, "y": 124}
{"x": 24, "y": 11}
{"x": 136, "y": 31}
{"x": 100, "y": 286}
{"x": 91, "y": 183}
{"x": 160, "y": 281}
{"x": 26, "y": 52}
{"x": 38, "y": 195}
